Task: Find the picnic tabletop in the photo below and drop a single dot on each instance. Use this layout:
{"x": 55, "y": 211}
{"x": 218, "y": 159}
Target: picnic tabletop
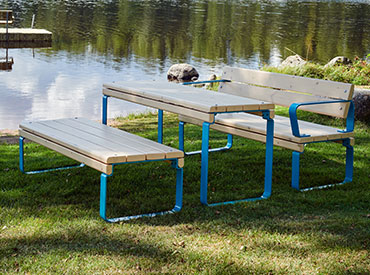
{"x": 185, "y": 96}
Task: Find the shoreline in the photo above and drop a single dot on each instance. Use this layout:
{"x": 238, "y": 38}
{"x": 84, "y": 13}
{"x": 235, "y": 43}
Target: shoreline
{"x": 12, "y": 133}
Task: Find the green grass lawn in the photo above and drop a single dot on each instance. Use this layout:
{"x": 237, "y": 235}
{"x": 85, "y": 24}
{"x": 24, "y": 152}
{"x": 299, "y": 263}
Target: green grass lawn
{"x": 49, "y": 223}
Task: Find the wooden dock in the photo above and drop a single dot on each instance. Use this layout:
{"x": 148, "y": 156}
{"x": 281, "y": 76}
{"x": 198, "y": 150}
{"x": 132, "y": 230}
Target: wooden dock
{"x": 24, "y": 35}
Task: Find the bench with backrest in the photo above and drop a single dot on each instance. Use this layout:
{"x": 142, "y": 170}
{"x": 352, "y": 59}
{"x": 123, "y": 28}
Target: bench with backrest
{"x": 100, "y": 147}
{"x": 313, "y": 95}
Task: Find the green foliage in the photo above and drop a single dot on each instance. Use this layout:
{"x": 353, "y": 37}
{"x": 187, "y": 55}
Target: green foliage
{"x": 49, "y": 223}
{"x": 357, "y": 73}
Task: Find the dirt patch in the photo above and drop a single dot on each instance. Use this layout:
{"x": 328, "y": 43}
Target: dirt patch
{"x": 7, "y": 132}
{"x": 9, "y": 139}
{"x": 9, "y": 136}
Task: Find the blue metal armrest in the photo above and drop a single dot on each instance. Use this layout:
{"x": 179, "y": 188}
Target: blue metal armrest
{"x": 294, "y": 121}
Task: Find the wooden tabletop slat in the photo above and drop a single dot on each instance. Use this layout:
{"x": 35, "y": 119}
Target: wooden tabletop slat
{"x": 189, "y": 97}
{"x": 209, "y": 117}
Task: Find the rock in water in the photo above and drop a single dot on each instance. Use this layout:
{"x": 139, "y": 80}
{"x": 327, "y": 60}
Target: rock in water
{"x": 182, "y": 72}
{"x": 293, "y": 61}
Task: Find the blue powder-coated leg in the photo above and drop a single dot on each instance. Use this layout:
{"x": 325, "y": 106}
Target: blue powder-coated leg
{"x": 177, "y": 207}
{"x": 229, "y": 141}
{"x": 268, "y": 157}
{"x": 348, "y": 176}
{"x": 349, "y": 161}
{"x": 295, "y": 169}
{"x": 204, "y": 164}
{"x": 103, "y": 195}
{"x": 105, "y": 110}
{"x": 21, "y": 162}
{"x": 160, "y": 126}
{"x": 181, "y": 135}
{"x": 182, "y": 148}
{"x": 21, "y": 154}
{"x": 268, "y": 164}
{"x": 179, "y": 188}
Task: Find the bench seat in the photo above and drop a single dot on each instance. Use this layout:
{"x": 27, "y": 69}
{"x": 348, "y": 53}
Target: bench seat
{"x": 253, "y": 127}
{"x": 97, "y": 145}
{"x": 100, "y": 147}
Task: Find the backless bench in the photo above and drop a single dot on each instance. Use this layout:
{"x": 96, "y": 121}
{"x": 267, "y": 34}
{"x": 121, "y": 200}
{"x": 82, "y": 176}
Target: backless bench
{"x": 313, "y": 95}
{"x": 101, "y": 147}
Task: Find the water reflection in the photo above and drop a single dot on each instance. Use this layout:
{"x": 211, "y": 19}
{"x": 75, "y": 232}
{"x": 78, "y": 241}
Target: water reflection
{"x": 101, "y": 41}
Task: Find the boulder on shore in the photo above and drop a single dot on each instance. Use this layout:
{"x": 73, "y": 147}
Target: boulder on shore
{"x": 339, "y": 60}
{"x": 182, "y": 72}
{"x": 293, "y": 61}
{"x": 362, "y": 107}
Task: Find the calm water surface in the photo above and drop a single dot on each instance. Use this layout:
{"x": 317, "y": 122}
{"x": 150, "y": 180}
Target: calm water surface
{"x": 103, "y": 41}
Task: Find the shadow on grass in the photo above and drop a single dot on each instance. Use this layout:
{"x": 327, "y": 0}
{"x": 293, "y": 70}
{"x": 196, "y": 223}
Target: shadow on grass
{"x": 337, "y": 217}
{"x": 340, "y": 211}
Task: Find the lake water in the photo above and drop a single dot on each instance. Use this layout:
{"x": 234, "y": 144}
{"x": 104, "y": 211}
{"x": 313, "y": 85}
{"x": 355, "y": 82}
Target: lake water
{"x": 103, "y": 41}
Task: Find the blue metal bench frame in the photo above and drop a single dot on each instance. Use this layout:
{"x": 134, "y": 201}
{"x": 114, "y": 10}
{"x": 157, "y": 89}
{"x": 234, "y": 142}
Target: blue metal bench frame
{"x": 350, "y": 121}
{"x": 103, "y": 186}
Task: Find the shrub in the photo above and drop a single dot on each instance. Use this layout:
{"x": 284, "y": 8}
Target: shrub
{"x": 357, "y": 73}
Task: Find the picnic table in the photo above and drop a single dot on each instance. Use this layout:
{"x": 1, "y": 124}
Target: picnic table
{"x": 197, "y": 103}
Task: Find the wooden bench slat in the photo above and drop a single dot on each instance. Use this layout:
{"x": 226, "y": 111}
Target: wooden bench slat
{"x": 102, "y": 167}
{"x": 111, "y": 134}
{"x": 282, "y": 130}
{"x": 132, "y": 149}
{"x": 101, "y": 142}
{"x": 247, "y": 134}
{"x": 86, "y": 147}
{"x": 290, "y": 82}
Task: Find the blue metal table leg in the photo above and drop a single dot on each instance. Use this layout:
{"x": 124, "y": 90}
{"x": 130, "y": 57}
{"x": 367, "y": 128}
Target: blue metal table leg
{"x": 181, "y": 135}
{"x": 268, "y": 164}
{"x": 160, "y": 126}
{"x": 21, "y": 162}
{"x": 177, "y": 207}
{"x": 105, "y": 109}
{"x": 268, "y": 156}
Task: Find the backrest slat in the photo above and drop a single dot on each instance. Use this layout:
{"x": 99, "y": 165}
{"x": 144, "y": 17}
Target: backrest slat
{"x": 284, "y": 90}
{"x": 283, "y": 98}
